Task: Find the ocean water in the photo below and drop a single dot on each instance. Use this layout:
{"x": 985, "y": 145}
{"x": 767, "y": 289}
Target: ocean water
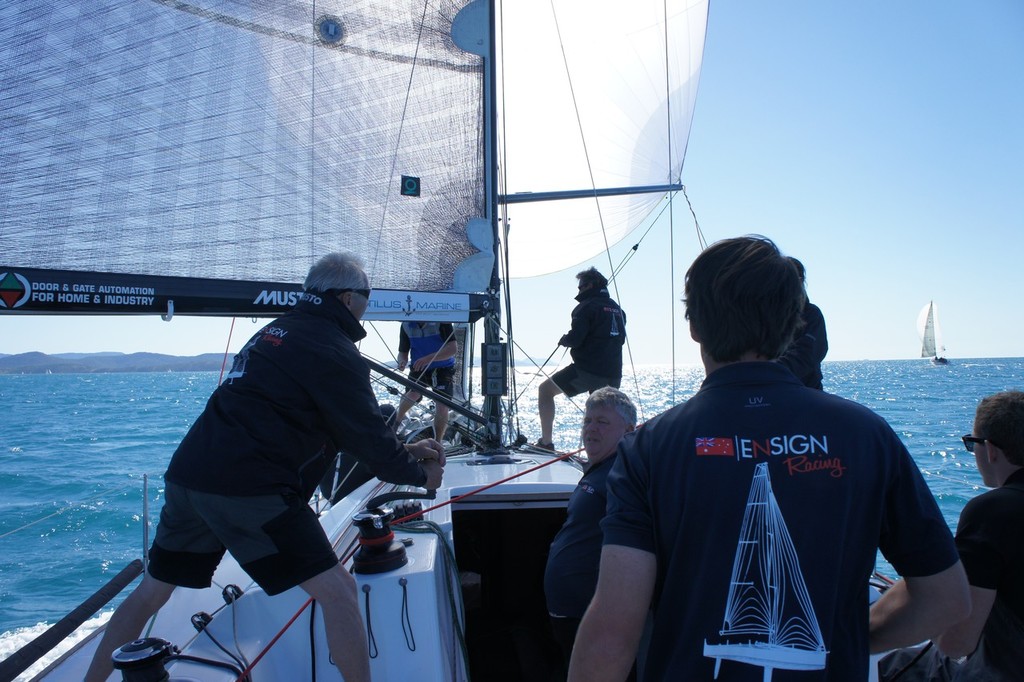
{"x": 74, "y": 450}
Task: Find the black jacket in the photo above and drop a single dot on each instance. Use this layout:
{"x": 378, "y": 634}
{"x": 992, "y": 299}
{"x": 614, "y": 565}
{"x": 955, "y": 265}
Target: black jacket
{"x": 297, "y": 393}
{"x": 597, "y": 334}
{"x": 808, "y": 349}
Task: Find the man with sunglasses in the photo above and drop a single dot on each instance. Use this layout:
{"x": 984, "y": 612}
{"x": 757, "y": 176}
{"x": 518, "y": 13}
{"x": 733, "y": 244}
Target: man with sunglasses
{"x": 241, "y": 479}
{"x": 990, "y": 540}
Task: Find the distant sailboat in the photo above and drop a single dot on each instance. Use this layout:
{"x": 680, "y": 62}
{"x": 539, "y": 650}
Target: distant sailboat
{"x": 931, "y": 336}
{"x": 769, "y": 611}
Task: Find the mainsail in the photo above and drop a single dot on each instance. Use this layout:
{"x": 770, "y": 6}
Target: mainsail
{"x": 769, "y": 618}
{"x": 236, "y": 142}
{"x": 224, "y": 146}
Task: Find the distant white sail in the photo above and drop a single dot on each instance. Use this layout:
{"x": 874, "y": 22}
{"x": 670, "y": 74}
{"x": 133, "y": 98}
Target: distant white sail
{"x": 928, "y": 330}
{"x": 769, "y": 618}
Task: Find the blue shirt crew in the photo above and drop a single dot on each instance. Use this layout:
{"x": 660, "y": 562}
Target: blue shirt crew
{"x": 423, "y": 339}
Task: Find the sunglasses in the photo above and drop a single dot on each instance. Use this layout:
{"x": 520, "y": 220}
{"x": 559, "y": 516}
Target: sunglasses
{"x": 969, "y": 441}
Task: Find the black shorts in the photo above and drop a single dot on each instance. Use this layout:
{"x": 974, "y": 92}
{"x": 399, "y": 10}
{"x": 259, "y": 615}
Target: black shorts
{"x": 438, "y": 379}
{"x": 277, "y": 540}
{"x": 573, "y": 381}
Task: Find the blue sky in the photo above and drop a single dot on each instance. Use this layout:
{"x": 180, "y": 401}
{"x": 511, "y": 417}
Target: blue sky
{"x": 882, "y": 143}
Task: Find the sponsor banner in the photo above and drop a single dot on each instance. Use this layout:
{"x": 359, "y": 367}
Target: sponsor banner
{"x": 66, "y": 292}
{"x": 34, "y": 291}
{"x": 422, "y": 306}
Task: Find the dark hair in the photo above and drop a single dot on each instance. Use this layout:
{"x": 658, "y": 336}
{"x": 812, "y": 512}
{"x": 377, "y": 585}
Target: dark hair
{"x": 743, "y": 295}
{"x": 799, "y": 268}
{"x": 592, "y": 276}
{"x": 1000, "y": 419}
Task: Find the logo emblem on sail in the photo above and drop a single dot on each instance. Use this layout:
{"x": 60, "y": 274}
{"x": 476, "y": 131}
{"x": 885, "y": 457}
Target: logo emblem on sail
{"x": 769, "y": 619}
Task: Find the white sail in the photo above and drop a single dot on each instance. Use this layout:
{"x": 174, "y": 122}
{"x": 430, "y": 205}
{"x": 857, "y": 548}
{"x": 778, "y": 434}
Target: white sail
{"x": 596, "y": 95}
{"x": 769, "y": 618}
{"x": 930, "y": 333}
{"x": 239, "y": 141}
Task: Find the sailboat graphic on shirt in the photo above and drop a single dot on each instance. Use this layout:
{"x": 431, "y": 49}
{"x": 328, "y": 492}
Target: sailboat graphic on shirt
{"x": 769, "y": 619}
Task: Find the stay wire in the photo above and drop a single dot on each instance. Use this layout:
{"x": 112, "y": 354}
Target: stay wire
{"x": 700, "y": 234}
{"x": 80, "y": 503}
{"x": 583, "y": 140}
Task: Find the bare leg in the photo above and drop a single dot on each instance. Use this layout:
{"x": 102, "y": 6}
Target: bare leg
{"x": 440, "y": 420}
{"x": 404, "y": 405}
{"x": 127, "y": 622}
{"x": 546, "y": 393}
{"x": 335, "y": 590}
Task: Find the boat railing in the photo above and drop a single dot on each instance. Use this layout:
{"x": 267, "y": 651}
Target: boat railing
{"x": 24, "y": 657}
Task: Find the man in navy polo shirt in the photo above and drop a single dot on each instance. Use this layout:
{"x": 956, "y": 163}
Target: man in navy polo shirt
{"x": 571, "y": 573}
{"x": 748, "y": 518}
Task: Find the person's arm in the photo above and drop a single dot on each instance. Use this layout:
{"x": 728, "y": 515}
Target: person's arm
{"x": 919, "y": 608}
{"x": 579, "y": 328}
{"x": 962, "y": 639}
{"x": 448, "y": 350}
{"x": 341, "y": 388}
{"x": 609, "y": 635}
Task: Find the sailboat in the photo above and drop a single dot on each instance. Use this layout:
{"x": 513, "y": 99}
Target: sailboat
{"x": 195, "y": 157}
{"x": 769, "y": 609}
{"x": 931, "y": 336}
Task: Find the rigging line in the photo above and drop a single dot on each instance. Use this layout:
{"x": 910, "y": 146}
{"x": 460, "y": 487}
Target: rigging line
{"x": 629, "y": 256}
{"x": 386, "y": 344}
{"x": 540, "y": 370}
{"x": 700, "y": 235}
{"x": 97, "y": 496}
{"x": 401, "y": 130}
{"x": 227, "y": 346}
{"x": 583, "y": 140}
{"x": 671, "y": 213}
{"x": 559, "y": 458}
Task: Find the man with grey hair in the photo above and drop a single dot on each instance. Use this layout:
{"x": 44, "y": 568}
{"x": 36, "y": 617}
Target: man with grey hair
{"x": 571, "y": 574}
{"x": 241, "y": 479}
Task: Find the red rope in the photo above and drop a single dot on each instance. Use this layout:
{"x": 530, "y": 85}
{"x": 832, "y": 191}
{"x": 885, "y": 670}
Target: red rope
{"x": 272, "y": 642}
{"x": 489, "y": 486}
{"x": 287, "y": 625}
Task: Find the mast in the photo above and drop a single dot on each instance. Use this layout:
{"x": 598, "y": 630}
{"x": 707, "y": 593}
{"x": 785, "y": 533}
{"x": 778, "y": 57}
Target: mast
{"x": 492, "y": 317}
{"x": 474, "y": 30}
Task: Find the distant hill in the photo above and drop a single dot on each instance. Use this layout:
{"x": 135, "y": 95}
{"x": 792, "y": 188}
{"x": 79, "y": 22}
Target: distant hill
{"x": 87, "y": 363}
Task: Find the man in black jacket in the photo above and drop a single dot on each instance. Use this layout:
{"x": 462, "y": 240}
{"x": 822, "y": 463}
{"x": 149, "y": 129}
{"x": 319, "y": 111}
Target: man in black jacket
{"x": 240, "y": 480}
{"x": 595, "y": 342}
{"x": 804, "y": 355}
